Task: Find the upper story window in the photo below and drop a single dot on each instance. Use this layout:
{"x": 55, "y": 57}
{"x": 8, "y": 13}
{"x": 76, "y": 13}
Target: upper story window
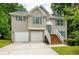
{"x": 37, "y": 20}
{"x": 59, "y": 22}
{"x": 20, "y": 18}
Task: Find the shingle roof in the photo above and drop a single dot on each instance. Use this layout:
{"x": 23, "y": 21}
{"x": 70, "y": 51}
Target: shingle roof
{"x": 20, "y": 12}
{"x": 57, "y": 16}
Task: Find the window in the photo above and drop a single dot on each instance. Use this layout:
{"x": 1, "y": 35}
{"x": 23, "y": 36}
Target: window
{"x": 37, "y": 20}
{"x": 62, "y": 33}
{"x": 60, "y": 22}
{"x": 21, "y": 18}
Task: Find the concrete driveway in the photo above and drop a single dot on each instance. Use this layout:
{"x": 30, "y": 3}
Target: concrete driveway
{"x": 27, "y": 49}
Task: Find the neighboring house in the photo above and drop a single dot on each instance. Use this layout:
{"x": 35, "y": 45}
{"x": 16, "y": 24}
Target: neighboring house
{"x": 37, "y": 25}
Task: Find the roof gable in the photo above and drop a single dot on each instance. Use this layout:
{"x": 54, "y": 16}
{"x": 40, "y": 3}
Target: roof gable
{"x": 38, "y": 8}
{"x": 44, "y": 10}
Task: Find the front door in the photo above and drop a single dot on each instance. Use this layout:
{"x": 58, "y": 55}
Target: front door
{"x": 49, "y": 28}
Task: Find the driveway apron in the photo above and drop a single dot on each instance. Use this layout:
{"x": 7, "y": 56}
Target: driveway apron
{"x": 27, "y": 49}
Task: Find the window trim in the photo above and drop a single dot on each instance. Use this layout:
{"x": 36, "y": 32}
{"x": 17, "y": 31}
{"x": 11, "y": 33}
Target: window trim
{"x": 60, "y": 22}
{"x": 20, "y": 19}
{"x": 37, "y": 19}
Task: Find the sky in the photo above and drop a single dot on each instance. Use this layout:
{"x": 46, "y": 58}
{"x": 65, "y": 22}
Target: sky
{"x": 29, "y": 6}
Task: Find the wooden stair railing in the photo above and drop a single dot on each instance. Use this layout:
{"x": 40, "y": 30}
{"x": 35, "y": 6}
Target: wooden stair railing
{"x": 55, "y": 39}
{"x": 59, "y": 36}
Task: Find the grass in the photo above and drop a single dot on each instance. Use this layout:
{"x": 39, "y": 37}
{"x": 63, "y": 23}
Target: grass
{"x": 4, "y": 42}
{"x": 67, "y": 50}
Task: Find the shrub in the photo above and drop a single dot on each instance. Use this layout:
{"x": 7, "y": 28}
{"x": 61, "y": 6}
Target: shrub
{"x": 77, "y": 41}
{"x": 71, "y": 42}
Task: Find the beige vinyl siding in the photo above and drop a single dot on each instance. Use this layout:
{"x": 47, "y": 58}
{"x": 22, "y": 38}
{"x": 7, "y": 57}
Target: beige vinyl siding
{"x": 59, "y": 28}
{"x": 19, "y": 25}
{"x": 31, "y": 21}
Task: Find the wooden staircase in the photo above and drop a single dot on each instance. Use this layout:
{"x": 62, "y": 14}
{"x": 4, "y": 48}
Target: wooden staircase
{"x": 55, "y": 39}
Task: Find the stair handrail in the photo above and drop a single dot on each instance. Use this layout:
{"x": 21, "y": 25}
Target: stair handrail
{"x": 48, "y": 36}
{"x": 60, "y": 36}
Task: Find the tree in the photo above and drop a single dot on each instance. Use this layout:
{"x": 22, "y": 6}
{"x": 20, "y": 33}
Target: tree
{"x": 76, "y": 34}
{"x": 4, "y": 26}
{"x": 70, "y": 14}
{"x": 11, "y": 7}
{"x": 59, "y": 7}
{"x": 5, "y": 20}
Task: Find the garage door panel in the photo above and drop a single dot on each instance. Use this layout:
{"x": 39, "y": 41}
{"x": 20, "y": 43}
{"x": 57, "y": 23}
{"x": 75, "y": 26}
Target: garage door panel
{"x": 36, "y": 36}
{"x": 21, "y": 36}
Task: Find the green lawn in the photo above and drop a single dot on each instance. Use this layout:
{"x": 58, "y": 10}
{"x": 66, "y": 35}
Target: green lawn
{"x": 67, "y": 50}
{"x": 4, "y": 42}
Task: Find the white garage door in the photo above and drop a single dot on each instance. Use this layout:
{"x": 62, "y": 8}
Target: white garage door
{"x": 36, "y": 36}
{"x": 21, "y": 36}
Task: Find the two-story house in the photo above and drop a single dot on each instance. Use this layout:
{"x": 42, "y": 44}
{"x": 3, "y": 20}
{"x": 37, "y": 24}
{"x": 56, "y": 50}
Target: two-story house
{"x": 36, "y": 24}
